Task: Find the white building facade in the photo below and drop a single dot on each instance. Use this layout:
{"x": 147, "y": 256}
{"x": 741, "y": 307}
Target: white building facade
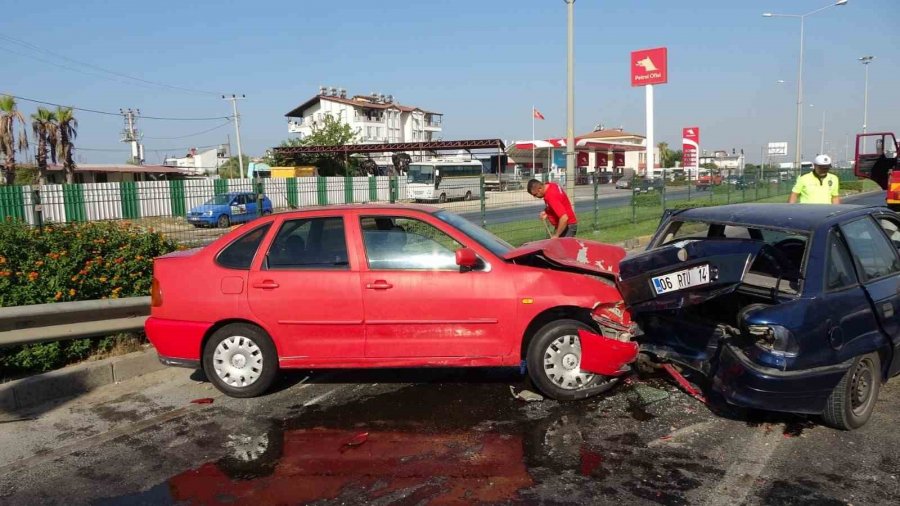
{"x": 200, "y": 163}
{"x": 375, "y": 118}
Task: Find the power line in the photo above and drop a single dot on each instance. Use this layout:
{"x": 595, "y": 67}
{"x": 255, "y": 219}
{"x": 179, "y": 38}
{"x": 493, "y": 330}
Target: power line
{"x": 188, "y": 135}
{"x": 136, "y": 80}
{"x": 107, "y": 113}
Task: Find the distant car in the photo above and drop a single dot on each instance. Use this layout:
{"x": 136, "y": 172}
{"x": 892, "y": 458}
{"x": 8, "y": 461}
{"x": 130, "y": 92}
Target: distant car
{"x": 744, "y": 182}
{"x": 227, "y": 208}
{"x": 782, "y": 307}
{"x": 390, "y": 286}
{"x": 624, "y": 183}
{"x": 646, "y": 185}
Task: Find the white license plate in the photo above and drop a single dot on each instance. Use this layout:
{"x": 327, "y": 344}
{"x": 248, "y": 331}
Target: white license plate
{"x": 695, "y": 276}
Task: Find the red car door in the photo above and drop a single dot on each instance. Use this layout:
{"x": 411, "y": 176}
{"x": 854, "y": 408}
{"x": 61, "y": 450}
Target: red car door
{"x": 307, "y": 291}
{"x": 418, "y": 303}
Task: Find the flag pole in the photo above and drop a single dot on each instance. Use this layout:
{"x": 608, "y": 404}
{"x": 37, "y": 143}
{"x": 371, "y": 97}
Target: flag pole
{"x": 533, "y": 168}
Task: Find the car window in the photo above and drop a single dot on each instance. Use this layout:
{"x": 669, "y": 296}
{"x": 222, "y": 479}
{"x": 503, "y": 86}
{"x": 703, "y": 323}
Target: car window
{"x": 874, "y": 254}
{"x": 839, "y": 271}
{"x": 310, "y": 243}
{"x": 239, "y": 254}
{"x": 891, "y": 229}
{"x": 405, "y": 243}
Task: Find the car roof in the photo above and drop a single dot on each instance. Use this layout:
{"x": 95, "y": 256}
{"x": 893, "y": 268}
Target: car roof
{"x": 366, "y": 207}
{"x": 802, "y": 217}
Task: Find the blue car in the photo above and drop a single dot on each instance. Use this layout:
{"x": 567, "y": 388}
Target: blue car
{"x": 228, "y": 208}
{"x": 792, "y": 308}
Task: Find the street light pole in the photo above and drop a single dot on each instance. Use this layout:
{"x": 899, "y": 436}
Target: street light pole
{"x": 237, "y": 130}
{"x": 822, "y": 142}
{"x": 866, "y": 60}
{"x": 799, "y": 147}
{"x": 570, "y": 106}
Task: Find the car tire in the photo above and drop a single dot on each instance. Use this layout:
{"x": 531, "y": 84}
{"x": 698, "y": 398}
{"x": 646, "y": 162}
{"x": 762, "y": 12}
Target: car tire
{"x": 240, "y": 360}
{"x": 223, "y": 221}
{"x": 554, "y": 355}
{"x": 852, "y": 401}
{"x": 468, "y": 196}
{"x": 443, "y": 198}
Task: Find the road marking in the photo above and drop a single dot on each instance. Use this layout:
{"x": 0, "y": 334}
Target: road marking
{"x": 741, "y": 476}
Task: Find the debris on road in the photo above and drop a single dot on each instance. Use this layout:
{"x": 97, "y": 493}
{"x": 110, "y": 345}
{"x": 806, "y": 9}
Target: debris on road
{"x": 648, "y": 395}
{"x": 685, "y": 384}
{"x": 355, "y": 441}
{"x": 526, "y": 395}
{"x": 203, "y": 400}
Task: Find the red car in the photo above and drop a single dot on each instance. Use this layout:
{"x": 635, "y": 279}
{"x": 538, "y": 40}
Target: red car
{"x": 361, "y": 286}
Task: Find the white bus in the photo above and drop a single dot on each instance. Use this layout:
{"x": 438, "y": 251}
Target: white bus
{"x": 444, "y": 180}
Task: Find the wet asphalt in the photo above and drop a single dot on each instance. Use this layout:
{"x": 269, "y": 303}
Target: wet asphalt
{"x": 434, "y": 437}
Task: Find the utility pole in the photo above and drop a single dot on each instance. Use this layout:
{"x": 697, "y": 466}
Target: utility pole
{"x": 866, "y": 60}
{"x": 131, "y": 135}
{"x": 570, "y": 107}
{"x": 237, "y": 129}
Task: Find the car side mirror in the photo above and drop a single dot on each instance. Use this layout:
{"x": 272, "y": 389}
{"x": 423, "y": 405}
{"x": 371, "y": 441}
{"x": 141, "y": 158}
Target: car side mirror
{"x": 466, "y": 259}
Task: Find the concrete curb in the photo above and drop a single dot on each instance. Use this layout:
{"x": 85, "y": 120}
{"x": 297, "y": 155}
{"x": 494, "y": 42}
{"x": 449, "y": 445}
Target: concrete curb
{"x": 75, "y": 380}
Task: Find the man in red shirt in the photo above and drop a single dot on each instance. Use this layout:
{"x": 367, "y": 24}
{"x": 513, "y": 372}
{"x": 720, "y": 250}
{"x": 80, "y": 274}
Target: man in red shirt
{"x": 559, "y": 210}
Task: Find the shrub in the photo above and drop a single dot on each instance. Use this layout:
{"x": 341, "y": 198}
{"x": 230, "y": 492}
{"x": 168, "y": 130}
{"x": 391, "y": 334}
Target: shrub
{"x": 80, "y": 261}
{"x": 652, "y": 199}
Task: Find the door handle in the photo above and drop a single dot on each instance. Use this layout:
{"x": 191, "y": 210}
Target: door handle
{"x": 887, "y": 309}
{"x": 266, "y": 285}
{"x": 379, "y": 285}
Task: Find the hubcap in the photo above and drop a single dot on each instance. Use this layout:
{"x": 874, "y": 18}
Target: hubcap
{"x": 238, "y": 361}
{"x": 861, "y": 387}
{"x": 561, "y": 363}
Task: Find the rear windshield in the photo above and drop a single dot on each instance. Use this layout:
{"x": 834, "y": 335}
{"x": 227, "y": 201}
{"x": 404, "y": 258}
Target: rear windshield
{"x": 781, "y": 259}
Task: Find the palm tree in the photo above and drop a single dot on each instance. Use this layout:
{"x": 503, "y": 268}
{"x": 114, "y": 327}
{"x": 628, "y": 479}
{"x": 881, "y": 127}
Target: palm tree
{"x": 665, "y": 154}
{"x": 67, "y": 125}
{"x": 45, "y": 130}
{"x": 9, "y": 143}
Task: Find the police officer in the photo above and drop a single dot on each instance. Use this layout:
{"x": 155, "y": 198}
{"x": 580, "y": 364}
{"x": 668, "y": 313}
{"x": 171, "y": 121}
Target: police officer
{"x": 818, "y": 186}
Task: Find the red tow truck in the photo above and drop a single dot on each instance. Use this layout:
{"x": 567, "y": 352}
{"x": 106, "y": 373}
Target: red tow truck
{"x": 876, "y": 159}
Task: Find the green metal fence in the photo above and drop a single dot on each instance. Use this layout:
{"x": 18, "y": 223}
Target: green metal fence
{"x": 604, "y": 211}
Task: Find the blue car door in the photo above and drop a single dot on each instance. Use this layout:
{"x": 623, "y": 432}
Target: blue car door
{"x": 251, "y": 207}
{"x": 878, "y": 264}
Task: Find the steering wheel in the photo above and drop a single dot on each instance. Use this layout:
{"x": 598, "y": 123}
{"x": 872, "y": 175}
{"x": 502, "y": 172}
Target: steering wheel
{"x": 792, "y": 249}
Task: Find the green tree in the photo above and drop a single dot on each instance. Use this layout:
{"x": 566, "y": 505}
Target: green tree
{"x": 46, "y": 131}
{"x": 10, "y": 143}
{"x": 332, "y": 132}
{"x": 67, "y": 131}
{"x": 230, "y": 169}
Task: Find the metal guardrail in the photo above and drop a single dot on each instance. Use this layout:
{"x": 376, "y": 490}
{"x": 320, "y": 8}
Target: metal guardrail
{"x": 60, "y": 321}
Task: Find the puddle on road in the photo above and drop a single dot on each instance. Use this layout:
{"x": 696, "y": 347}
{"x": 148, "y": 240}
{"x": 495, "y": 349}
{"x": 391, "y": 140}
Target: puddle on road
{"x": 448, "y": 442}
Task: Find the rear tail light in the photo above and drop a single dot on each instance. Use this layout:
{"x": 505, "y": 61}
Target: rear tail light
{"x": 893, "y": 195}
{"x": 155, "y": 294}
{"x": 774, "y": 339}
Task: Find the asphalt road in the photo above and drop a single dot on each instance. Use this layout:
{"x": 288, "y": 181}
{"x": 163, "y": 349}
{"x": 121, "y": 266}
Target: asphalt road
{"x": 441, "y": 436}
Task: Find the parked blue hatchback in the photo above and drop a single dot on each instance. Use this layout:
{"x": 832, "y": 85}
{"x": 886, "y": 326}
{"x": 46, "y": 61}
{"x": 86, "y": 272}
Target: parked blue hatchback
{"x": 225, "y": 209}
{"x": 783, "y": 307}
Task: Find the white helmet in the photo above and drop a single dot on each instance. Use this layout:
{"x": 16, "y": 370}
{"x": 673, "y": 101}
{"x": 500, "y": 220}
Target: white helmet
{"x": 823, "y": 160}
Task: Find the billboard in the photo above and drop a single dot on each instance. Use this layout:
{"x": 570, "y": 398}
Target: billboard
{"x": 777, "y": 149}
{"x": 649, "y": 66}
{"x": 690, "y": 147}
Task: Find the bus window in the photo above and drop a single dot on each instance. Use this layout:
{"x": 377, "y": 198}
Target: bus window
{"x": 419, "y": 173}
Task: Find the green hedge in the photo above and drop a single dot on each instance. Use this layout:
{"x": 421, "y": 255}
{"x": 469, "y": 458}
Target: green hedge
{"x": 79, "y": 261}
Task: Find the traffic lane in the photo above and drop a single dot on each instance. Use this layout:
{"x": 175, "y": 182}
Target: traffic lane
{"x": 441, "y": 435}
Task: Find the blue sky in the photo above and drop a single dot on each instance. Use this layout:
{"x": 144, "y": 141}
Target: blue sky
{"x": 481, "y": 63}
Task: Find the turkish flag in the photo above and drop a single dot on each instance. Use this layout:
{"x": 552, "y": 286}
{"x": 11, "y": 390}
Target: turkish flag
{"x": 537, "y": 113}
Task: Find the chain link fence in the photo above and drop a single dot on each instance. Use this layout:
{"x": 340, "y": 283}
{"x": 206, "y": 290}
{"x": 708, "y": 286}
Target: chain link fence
{"x": 190, "y": 212}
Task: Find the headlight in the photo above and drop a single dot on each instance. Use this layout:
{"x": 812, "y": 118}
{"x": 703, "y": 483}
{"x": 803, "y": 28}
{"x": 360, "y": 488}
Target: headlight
{"x": 208, "y": 213}
{"x": 774, "y": 339}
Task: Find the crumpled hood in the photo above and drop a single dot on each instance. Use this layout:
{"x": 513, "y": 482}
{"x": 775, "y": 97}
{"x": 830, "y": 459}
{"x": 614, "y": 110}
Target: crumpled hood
{"x": 728, "y": 260}
{"x": 580, "y": 254}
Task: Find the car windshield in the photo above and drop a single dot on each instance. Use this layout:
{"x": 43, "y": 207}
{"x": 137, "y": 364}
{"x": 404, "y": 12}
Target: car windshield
{"x": 218, "y": 200}
{"x": 486, "y": 239}
{"x": 419, "y": 173}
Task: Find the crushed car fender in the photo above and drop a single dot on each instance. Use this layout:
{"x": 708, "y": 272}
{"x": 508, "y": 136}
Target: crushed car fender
{"x": 605, "y": 356}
